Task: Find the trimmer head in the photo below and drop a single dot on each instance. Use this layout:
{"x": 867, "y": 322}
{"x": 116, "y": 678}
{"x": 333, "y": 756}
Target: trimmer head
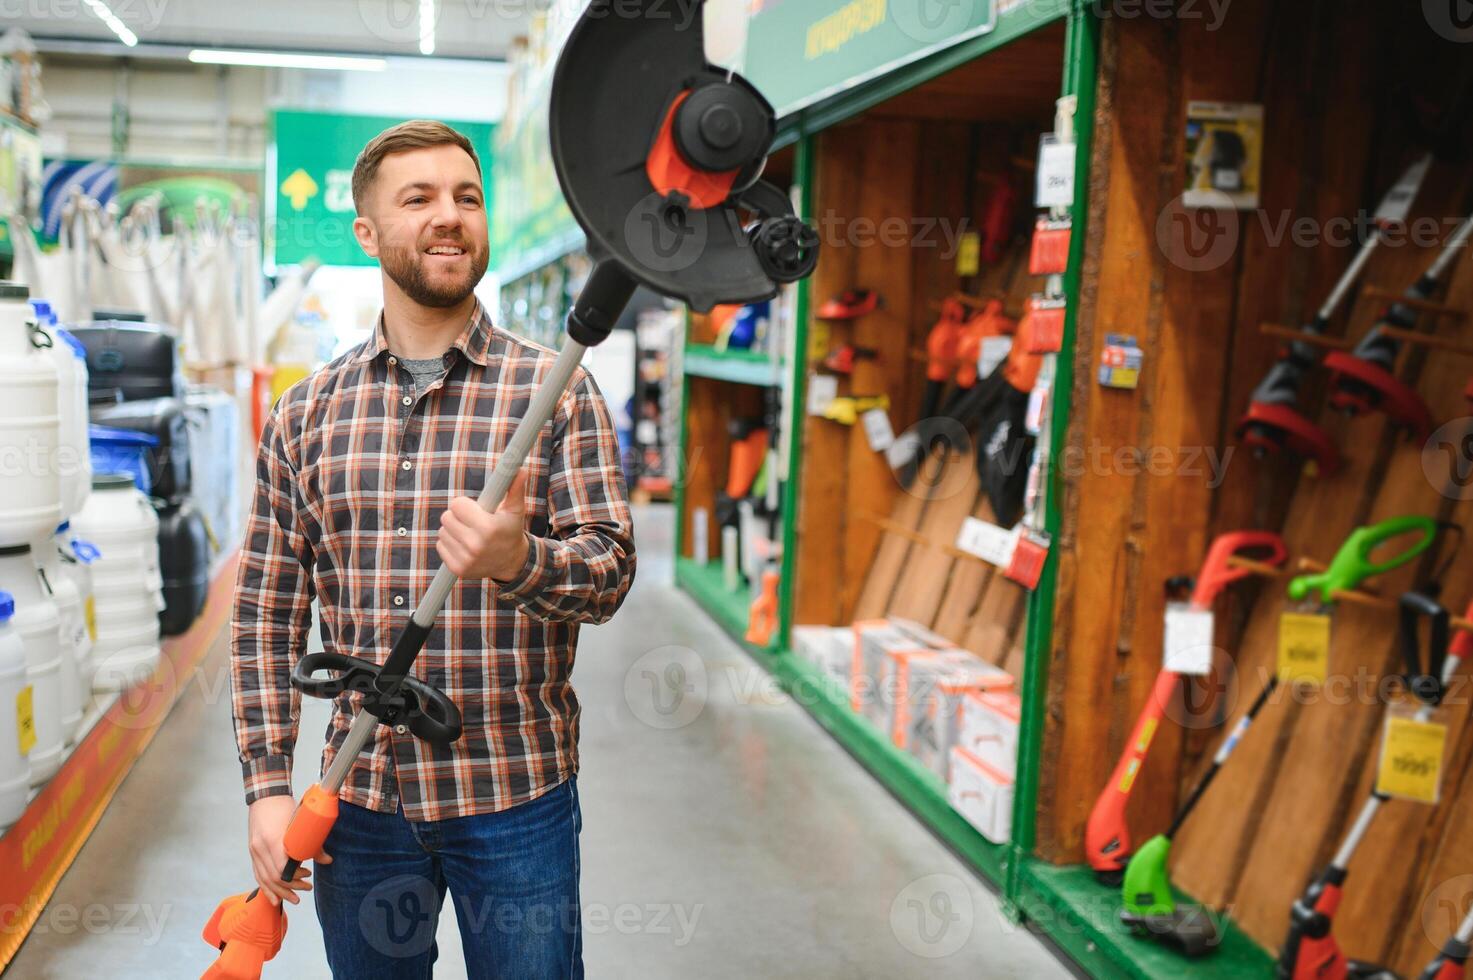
{"x": 1272, "y": 428}
{"x": 659, "y": 153}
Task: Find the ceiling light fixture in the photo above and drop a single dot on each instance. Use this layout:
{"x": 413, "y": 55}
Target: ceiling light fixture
{"x": 104, "y": 13}
{"x": 426, "y": 27}
{"x": 280, "y": 59}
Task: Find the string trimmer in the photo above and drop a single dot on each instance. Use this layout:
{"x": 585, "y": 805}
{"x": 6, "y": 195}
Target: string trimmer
{"x": 1107, "y": 843}
{"x": 1311, "y": 952}
{"x": 1363, "y": 380}
{"x": 1273, "y": 422}
{"x": 658, "y": 154}
{"x": 1452, "y": 962}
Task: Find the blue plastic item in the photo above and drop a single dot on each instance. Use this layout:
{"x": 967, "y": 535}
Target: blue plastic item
{"x": 85, "y": 551}
{"x": 7, "y": 606}
{"x": 123, "y": 451}
{"x": 71, "y": 341}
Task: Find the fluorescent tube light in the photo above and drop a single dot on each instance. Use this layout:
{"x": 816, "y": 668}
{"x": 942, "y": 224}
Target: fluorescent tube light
{"x": 104, "y": 13}
{"x": 426, "y": 27}
{"x": 281, "y": 59}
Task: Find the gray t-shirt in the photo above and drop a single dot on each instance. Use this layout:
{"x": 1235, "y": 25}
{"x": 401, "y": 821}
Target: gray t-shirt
{"x": 424, "y": 373}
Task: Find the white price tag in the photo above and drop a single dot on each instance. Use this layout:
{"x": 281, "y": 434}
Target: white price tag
{"x": 822, "y": 390}
{"x": 1055, "y": 174}
{"x": 877, "y": 429}
{"x": 1188, "y": 643}
{"x": 995, "y": 350}
{"x": 994, "y": 545}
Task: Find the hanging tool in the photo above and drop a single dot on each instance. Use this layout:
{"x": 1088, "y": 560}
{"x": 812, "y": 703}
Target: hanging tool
{"x": 762, "y": 617}
{"x": 1363, "y": 380}
{"x": 847, "y": 411}
{"x": 1004, "y": 444}
{"x": 851, "y": 304}
{"x": 1311, "y": 952}
{"x": 842, "y": 359}
{"x": 1273, "y": 422}
{"x": 1150, "y": 906}
{"x": 1352, "y": 564}
{"x": 1107, "y": 844}
{"x": 630, "y": 84}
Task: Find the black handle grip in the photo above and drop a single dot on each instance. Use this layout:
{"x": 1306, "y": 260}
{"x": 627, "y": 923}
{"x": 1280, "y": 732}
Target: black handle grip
{"x": 427, "y": 711}
{"x": 432, "y": 716}
{"x": 356, "y": 674}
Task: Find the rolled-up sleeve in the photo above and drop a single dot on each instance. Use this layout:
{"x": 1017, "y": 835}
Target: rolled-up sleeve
{"x": 272, "y": 614}
{"x": 583, "y": 569}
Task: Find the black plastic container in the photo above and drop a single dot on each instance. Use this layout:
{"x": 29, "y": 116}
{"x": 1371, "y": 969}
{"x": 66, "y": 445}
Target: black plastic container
{"x": 164, "y": 419}
{"x": 131, "y": 361}
{"x": 184, "y": 561}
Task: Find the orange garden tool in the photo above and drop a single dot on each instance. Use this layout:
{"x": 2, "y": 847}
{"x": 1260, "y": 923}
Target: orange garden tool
{"x": 1107, "y": 841}
{"x": 632, "y": 83}
{"x": 762, "y": 618}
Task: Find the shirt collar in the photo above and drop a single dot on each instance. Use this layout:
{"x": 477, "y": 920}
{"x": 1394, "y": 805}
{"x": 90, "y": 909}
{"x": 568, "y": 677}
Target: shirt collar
{"x": 473, "y": 341}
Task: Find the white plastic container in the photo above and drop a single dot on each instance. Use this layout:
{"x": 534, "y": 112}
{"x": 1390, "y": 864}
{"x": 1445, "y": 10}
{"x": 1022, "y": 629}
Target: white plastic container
{"x": 74, "y": 457}
{"x": 15, "y": 705}
{"x": 76, "y": 644}
{"x": 215, "y": 464}
{"x": 989, "y": 729}
{"x": 126, "y": 583}
{"x": 39, "y": 624}
{"x": 981, "y": 794}
{"x": 30, "y": 426}
{"x": 77, "y": 556}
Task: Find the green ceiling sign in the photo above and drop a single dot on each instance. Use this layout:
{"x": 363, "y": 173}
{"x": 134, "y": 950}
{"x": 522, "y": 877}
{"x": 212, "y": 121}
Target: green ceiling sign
{"x": 313, "y": 180}
{"x": 802, "y": 51}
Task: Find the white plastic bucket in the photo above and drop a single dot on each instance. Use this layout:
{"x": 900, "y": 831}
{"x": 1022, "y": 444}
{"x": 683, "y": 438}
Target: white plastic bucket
{"x": 127, "y": 587}
{"x": 15, "y": 698}
{"x": 39, "y": 624}
{"x": 30, "y": 426}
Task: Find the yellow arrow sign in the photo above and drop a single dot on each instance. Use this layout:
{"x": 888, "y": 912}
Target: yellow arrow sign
{"x": 300, "y": 187}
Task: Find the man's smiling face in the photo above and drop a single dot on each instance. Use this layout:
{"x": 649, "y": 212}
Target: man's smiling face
{"x": 428, "y": 214}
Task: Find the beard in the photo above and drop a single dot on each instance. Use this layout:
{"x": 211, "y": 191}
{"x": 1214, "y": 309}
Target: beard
{"x": 406, "y": 267}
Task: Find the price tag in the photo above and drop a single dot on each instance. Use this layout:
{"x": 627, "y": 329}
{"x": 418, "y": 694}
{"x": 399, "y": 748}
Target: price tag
{"x": 25, "y": 720}
{"x": 994, "y": 351}
{"x": 969, "y": 258}
{"x": 1026, "y": 568}
{"x": 1188, "y": 642}
{"x": 91, "y": 608}
{"x": 989, "y": 542}
{"x": 1049, "y": 255}
{"x": 1045, "y": 326}
{"x": 1055, "y": 174}
{"x": 877, "y": 429}
{"x": 1411, "y": 758}
{"x": 1304, "y": 648}
{"x": 822, "y": 390}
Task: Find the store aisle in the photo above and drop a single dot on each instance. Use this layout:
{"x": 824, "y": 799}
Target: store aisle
{"x": 724, "y": 833}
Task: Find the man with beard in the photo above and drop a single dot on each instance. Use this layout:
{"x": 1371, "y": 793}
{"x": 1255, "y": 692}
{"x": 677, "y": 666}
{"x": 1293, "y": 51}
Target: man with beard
{"x": 367, "y": 473}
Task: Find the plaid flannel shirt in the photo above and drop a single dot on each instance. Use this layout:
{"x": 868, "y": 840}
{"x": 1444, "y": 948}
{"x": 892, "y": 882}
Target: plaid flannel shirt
{"x": 352, "y": 474}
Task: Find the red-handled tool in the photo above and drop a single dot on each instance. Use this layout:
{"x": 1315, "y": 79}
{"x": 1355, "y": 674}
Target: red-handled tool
{"x": 1452, "y": 962}
{"x": 1107, "y": 841}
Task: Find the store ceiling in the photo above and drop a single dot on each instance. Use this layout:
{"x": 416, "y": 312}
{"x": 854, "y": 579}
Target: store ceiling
{"x": 480, "y": 29}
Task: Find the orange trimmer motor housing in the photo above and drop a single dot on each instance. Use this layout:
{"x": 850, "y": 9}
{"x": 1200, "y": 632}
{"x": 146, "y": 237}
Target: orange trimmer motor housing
{"x": 671, "y": 173}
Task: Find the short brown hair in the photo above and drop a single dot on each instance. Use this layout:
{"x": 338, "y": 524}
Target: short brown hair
{"x": 413, "y": 135}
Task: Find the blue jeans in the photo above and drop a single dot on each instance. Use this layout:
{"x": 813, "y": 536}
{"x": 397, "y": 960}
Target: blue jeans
{"x": 513, "y": 878}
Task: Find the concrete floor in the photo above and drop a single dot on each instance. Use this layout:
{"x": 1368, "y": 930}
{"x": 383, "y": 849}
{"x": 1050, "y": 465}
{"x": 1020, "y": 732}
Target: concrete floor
{"x": 725, "y": 835}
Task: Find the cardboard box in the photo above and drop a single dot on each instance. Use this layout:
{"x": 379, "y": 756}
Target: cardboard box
{"x": 829, "y": 648}
{"x": 937, "y": 703}
{"x": 875, "y": 672}
{"x": 989, "y": 729}
{"x": 982, "y": 795}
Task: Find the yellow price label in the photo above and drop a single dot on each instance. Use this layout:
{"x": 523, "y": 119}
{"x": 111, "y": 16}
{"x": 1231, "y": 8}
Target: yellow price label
{"x": 1411, "y": 759}
{"x": 969, "y": 257}
{"x": 91, "y": 612}
{"x": 25, "y": 720}
{"x": 1304, "y": 648}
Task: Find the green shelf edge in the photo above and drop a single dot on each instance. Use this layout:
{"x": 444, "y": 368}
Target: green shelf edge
{"x": 742, "y": 367}
{"x": 921, "y": 790}
{"x": 1082, "y": 917}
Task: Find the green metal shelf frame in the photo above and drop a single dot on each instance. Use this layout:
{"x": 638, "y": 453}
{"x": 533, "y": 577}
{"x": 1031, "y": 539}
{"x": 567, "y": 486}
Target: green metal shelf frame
{"x": 741, "y": 367}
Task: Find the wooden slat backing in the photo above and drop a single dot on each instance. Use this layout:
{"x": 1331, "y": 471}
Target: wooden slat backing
{"x": 711, "y": 407}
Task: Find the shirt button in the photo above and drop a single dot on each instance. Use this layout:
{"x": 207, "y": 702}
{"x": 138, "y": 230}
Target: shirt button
{"x": 403, "y": 531}
{"x": 398, "y": 600}
{"x": 408, "y": 400}
{"x": 405, "y": 465}
{"x": 393, "y": 360}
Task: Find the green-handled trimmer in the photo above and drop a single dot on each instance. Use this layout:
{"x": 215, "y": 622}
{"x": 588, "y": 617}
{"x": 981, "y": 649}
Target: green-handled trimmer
{"x": 1150, "y": 906}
